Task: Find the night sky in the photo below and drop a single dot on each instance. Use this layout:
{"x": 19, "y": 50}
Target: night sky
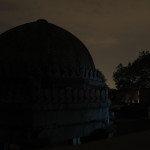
{"x": 114, "y": 31}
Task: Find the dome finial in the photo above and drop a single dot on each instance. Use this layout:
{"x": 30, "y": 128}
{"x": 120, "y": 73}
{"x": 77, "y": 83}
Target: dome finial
{"x": 42, "y": 21}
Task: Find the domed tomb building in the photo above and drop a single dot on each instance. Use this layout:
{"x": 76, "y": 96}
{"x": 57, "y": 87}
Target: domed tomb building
{"x": 50, "y": 89}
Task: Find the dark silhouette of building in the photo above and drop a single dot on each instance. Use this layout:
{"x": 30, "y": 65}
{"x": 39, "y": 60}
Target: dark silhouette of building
{"x": 50, "y": 89}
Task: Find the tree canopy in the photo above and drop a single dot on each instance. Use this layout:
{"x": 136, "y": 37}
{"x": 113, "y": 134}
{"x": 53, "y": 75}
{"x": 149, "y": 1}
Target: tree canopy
{"x": 135, "y": 75}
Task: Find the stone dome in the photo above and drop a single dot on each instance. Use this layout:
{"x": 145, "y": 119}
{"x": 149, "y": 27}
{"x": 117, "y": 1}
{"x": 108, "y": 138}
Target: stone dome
{"x": 50, "y": 89}
{"x": 42, "y": 51}
{"x": 41, "y": 42}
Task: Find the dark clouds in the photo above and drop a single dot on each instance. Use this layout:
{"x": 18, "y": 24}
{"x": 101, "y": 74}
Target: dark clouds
{"x": 114, "y": 31}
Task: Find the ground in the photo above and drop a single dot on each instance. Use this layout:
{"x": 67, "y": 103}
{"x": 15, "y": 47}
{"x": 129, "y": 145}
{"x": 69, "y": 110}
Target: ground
{"x": 132, "y": 134}
{"x": 134, "y": 141}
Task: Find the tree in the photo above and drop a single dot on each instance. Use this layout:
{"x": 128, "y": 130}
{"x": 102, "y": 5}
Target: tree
{"x": 141, "y": 67}
{"x": 134, "y": 76}
{"x": 124, "y": 77}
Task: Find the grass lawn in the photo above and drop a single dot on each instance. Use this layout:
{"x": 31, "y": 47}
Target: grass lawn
{"x": 126, "y": 126}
